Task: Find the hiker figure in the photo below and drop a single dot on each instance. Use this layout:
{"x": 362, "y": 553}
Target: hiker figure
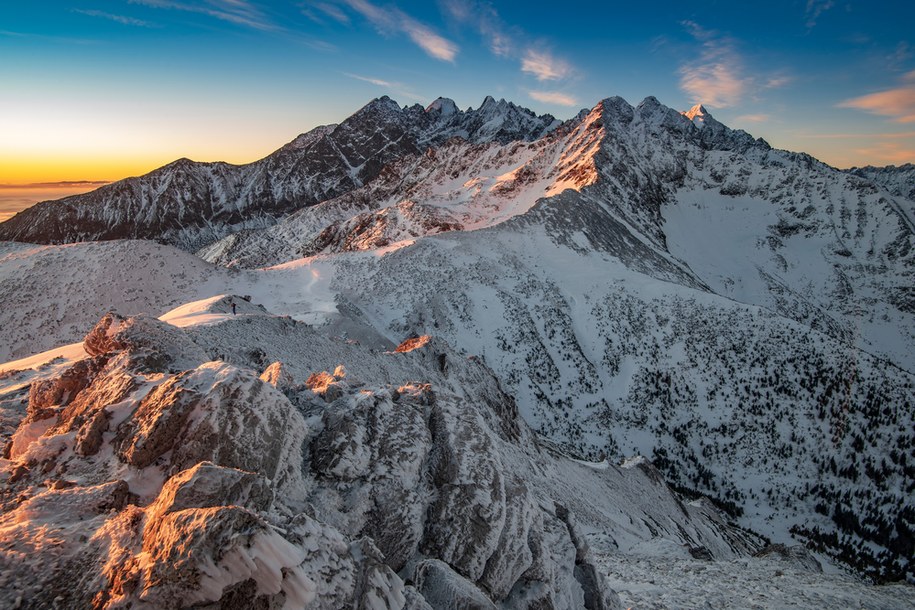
{"x": 233, "y": 308}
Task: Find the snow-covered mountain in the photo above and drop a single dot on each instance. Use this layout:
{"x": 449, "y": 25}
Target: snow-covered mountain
{"x": 695, "y": 203}
{"x": 897, "y": 180}
{"x": 638, "y": 280}
{"x": 191, "y": 204}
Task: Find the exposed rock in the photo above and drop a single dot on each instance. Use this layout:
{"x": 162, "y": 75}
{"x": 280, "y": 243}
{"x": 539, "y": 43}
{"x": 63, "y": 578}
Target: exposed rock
{"x": 413, "y": 343}
{"x": 446, "y": 589}
{"x": 47, "y": 395}
{"x": 153, "y": 345}
{"x": 465, "y": 521}
{"x": 794, "y": 555}
{"x": 218, "y": 413}
{"x": 279, "y": 377}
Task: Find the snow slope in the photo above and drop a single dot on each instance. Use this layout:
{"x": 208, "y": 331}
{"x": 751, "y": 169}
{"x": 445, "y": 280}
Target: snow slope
{"x": 776, "y": 420}
{"x": 50, "y": 296}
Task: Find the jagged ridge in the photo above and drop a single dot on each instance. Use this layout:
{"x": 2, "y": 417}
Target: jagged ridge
{"x": 191, "y": 204}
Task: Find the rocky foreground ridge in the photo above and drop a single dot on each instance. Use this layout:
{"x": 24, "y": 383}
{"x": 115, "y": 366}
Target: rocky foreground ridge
{"x": 161, "y": 470}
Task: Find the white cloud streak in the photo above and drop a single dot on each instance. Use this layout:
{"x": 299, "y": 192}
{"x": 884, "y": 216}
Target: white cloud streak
{"x": 117, "y": 18}
{"x": 753, "y": 118}
{"x": 815, "y": 8}
{"x": 430, "y": 42}
{"x": 553, "y": 97}
{"x": 393, "y": 20}
{"x": 239, "y": 12}
{"x": 369, "y": 79}
{"x": 716, "y": 77}
{"x": 398, "y": 89}
{"x": 508, "y": 42}
{"x": 484, "y": 18}
{"x": 333, "y": 12}
{"x": 544, "y": 66}
{"x": 897, "y": 103}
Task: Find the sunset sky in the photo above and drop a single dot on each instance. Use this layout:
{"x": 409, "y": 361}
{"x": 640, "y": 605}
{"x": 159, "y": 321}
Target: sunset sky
{"x": 104, "y": 89}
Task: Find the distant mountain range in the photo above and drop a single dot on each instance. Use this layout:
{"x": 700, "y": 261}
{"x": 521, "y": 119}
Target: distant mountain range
{"x": 191, "y": 204}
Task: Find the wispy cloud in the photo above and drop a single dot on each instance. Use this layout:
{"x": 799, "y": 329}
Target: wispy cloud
{"x": 815, "y": 8}
{"x": 484, "y": 18}
{"x": 890, "y": 152}
{"x": 430, "y": 42}
{"x": 319, "y": 45}
{"x": 63, "y": 184}
{"x": 900, "y": 56}
{"x": 753, "y": 118}
{"x": 327, "y": 10}
{"x": 368, "y": 79}
{"x": 870, "y": 136}
{"x": 392, "y": 20}
{"x": 777, "y": 82}
{"x": 716, "y": 77}
{"x": 508, "y": 42}
{"x": 122, "y": 19}
{"x": 398, "y": 89}
{"x": 544, "y": 66}
{"x": 54, "y": 39}
{"x": 239, "y": 12}
{"x": 553, "y": 97}
{"x": 898, "y": 103}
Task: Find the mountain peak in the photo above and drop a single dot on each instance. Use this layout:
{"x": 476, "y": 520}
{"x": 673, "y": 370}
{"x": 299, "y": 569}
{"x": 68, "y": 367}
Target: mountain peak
{"x": 698, "y": 115}
{"x": 489, "y": 103}
{"x": 444, "y": 106}
{"x": 381, "y": 104}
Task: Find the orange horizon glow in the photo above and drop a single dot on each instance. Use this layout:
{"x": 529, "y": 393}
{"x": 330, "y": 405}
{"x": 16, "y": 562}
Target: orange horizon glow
{"x": 25, "y": 170}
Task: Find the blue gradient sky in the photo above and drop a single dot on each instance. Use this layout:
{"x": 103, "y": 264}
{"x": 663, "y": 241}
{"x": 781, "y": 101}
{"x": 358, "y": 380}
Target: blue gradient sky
{"x": 103, "y": 89}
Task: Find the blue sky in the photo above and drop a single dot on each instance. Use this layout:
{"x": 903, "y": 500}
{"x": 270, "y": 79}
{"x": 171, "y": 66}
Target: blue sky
{"x": 102, "y": 89}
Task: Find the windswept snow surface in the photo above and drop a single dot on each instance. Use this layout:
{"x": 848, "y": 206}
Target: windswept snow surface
{"x": 673, "y": 579}
{"x": 52, "y": 295}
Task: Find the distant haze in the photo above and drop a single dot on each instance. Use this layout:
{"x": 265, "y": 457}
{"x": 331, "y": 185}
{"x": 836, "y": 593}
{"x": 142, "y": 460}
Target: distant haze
{"x": 17, "y": 197}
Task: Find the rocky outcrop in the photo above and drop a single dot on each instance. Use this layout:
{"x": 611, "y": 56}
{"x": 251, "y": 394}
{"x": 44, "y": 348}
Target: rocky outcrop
{"x": 206, "y": 486}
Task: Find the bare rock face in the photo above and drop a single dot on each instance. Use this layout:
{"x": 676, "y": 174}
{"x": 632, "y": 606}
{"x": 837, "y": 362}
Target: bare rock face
{"x": 378, "y": 447}
{"x": 795, "y": 556}
{"x": 470, "y": 511}
{"x": 442, "y": 587}
{"x": 217, "y": 413}
{"x": 423, "y": 475}
{"x": 371, "y": 230}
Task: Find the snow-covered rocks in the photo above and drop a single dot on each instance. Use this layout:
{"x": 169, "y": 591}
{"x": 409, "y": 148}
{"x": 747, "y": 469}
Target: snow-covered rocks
{"x": 208, "y": 485}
